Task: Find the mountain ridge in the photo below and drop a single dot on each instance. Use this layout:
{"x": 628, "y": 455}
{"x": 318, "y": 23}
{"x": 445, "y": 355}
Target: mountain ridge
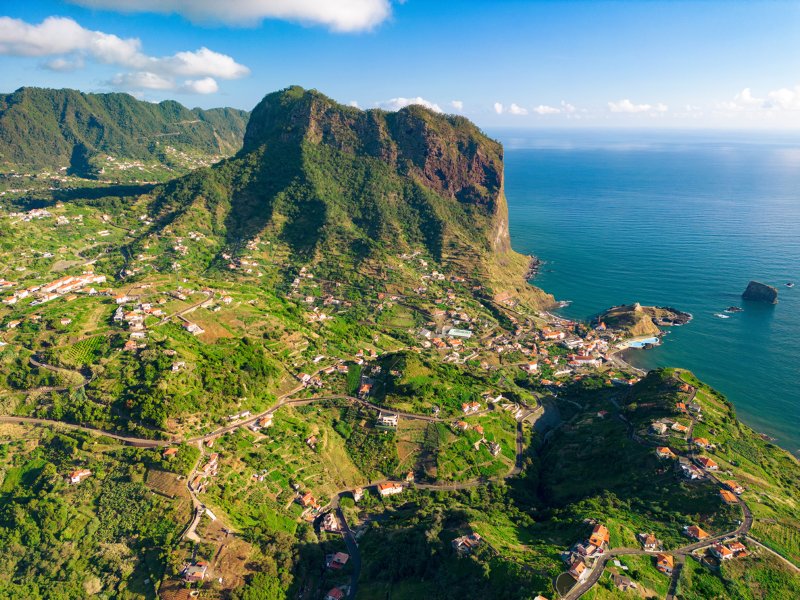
{"x": 42, "y": 128}
{"x": 332, "y": 183}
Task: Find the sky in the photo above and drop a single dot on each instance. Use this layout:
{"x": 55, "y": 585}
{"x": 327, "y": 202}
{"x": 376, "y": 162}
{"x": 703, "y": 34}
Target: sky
{"x": 502, "y": 63}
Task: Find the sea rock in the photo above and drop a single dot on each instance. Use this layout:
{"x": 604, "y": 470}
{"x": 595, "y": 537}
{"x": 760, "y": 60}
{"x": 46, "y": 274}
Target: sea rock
{"x": 760, "y": 292}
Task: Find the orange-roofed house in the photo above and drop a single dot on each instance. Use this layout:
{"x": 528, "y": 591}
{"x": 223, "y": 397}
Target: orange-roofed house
{"x": 77, "y": 476}
{"x": 389, "y": 489}
{"x": 169, "y": 452}
{"x": 578, "y": 570}
{"x": 707, "y": 463}
{"x": 738, "y": 548}
{"x": 665, "y": 563}
{"x": 307, "y": 500}
{"x": 702, "y": 442}
{"x": 663, "y": 452}
{"x": 681, "y": 406}
{"x": 734, "y": 487}
{"x": 695, "y": 532}
{"x": 728, "y": 496}
{"x": 599, "y": 536}
{"x": 721, "y": 552}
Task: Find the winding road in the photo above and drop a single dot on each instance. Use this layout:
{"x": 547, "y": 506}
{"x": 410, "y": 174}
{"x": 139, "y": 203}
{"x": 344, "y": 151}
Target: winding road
{"x": 681, "y": 553}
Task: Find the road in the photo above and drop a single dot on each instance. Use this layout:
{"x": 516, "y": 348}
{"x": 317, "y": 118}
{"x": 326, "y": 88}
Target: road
{"x": 352, "y": 546}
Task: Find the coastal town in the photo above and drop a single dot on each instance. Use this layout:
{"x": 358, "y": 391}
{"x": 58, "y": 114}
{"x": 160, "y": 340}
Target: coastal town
{"x": 547, "y": 352}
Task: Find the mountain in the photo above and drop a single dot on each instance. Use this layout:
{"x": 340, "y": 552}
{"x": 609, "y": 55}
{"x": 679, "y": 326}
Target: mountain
{"x": 334, "y": 185}
{"x": 50, "y": 129}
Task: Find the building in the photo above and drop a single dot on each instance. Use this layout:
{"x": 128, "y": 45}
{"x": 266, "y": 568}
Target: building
{"x": 728, "y": 497}
{"x": 707, "y": 463}
{"x": 599, "y": 536}
{"x": 702, "y": 442}
{"x": 169, "y": 452}
{"x": 466, "y": 543}
{"x": 649, "y": 542}
{"x": 679, "y": 428}
{"x": 623, "y": 583}
{"x": 578, "y": 570}
{"x": 722, "y": 552}
{"x": 194, "y": 328}
{"x": 389, "y": 489}
{"x": 664, "y": 453}
{"x": 335, "y": 594}
{"x": 665, "y": 563}
{"x": 330, "y": 522}
{"x": 470, "y": 407}
{"x": 734, "y": 487}
{"x": 194, "y": 573}
{"x": 307, "y": 500}
{"x": 387, "y": 419}
{"x": 693, "y": 531}
{"x": 658, "y": 428}
{"x": 364, "y": 390}
{"x": 79, "y": 475}
{"x": 494, "y": 448}
{"x": 457, "y": 333}
{"x": 336, "y": 561}
{"x": 358, "y": 493}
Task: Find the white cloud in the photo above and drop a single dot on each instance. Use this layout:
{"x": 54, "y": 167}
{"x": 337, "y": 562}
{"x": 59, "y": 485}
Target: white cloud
{"x": 626, "y": 106}
{"x": 515, "y": 109}
{"x": 64, "y": 65}
{"x": 498, "y": 108}
{"x": 70, "y": 44}
{"x": 142, "y": 80}
{"x": 398, "y": 103}
{"x": 457, "y": 105}
{"x": 353, "y": 103}
{"x": 338, "y": 15}
{"x": 543, "y": 109}
{"x": 206, "y": 85}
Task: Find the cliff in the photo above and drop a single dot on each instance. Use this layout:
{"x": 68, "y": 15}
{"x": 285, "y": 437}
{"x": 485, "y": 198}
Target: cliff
{"x": 760, "y": 292}
{"x": 341, "y": 188}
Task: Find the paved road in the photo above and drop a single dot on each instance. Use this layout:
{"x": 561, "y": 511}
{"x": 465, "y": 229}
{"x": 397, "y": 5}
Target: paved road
{"x": 127, "y": 440}
{"x": 352, "y": 545}
{"x": 676, "y": 576}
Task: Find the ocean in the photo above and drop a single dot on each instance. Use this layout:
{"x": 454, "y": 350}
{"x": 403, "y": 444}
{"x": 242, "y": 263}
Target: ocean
{"x": 682, "y": 219}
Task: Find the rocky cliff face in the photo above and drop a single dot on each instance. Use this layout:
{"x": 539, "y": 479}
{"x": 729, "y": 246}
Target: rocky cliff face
{"x": 760, "y": 292}
{"x": 447, "y": 154}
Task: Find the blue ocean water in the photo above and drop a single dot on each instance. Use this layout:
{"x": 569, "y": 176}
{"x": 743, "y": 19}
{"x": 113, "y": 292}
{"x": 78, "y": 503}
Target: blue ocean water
{"x": 683, "y": 219}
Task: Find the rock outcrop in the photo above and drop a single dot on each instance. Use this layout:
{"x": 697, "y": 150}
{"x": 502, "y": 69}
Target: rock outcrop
{"x": 760, "y": 292}
{"x": 635, "y": 320}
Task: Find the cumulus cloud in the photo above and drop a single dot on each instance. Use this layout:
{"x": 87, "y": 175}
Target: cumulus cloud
{"x": 626, "y": 106}
{"x": 70, "y": 44}
{"x": 353, "y": 103}
{"x": 516, "y": 109}
{"x": 457, "y": 105}
{"x": 775, "y": 101}
{"x": 498, "y": 108}
{"x": 543, "y": 109}
{"x": 398, "y": 103}
{"x": 337, "y": 15}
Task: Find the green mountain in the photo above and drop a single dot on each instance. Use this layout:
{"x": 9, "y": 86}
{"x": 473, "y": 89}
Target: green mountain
{"x": 334, "y": 185}
{"x": 50, "y": 129}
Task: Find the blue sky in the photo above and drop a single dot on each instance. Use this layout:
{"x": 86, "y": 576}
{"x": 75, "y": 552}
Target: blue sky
{"x": 502, "y": 63}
